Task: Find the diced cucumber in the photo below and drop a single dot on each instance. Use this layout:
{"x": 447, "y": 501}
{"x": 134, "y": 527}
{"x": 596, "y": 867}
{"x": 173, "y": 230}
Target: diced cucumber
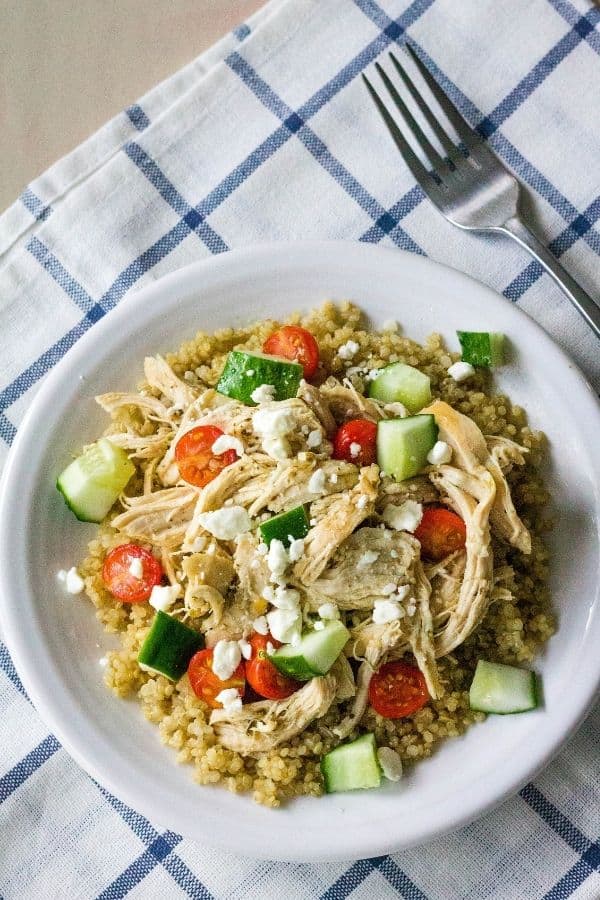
{"x": 497, "y": 688}
{"x": 403, "y": 445}
{"x": 169, "y": 646}
{"x": 403, "y": 383}
{"x": 291, "y": 524}
{"x": 352, "y": 766}
{"x": 244, "y": 372}
{"x": 314, "y": 655}
{"x": 93, "y": 481}
{"x": 482, "y": 348}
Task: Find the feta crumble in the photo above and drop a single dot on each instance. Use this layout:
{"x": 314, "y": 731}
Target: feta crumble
{"x": 229, "y": 699}
{"x": 348, "y": 350}
{"x": 333, "y": 478}
{"x": 385, "y": 611}
{"x": 314, "y": 439}
{"x": 163, "y": 597}
{"x": 245, "y": 648}
{"x": 328, "y": 611}
{"x": 227, "y": 442}
{"x": 390, "y": 325}
{"x": 440, "y": 453}
{"x": 406, "y": 517}
{"x": 389, "y": 588}
{"x": 367, "y": 558}
{"x": 319, "y": 625}
{"x": 277, "y": 559}
{"x": 264, "y": 393}
{"x": 316, "y": 484}
{"x": 296, "y": 549}
{"x": 285, "y": 625}
{"x": 286, "y": 598}
{"x": 390, "y": 762}
{"x": 403, "y": 591}
{"x": 226, "y": 658}
{"x": 362, "y": 501}
{"x": 136, "y": 568}
{"x": 460, "y": 371}
{"x": 226, "y": 524}
{"x": 72, "y": 580}
{"x": 260, "y": 625}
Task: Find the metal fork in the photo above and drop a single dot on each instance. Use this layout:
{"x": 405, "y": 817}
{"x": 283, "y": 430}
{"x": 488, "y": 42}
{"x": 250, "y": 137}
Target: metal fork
{"x": 469, "y": 185}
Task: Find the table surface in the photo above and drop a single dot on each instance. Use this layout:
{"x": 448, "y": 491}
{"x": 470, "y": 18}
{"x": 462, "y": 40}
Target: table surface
{"x": 67, "y": 66}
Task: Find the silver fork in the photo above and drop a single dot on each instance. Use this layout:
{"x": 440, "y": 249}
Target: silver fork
{"x": 469, "y": 185}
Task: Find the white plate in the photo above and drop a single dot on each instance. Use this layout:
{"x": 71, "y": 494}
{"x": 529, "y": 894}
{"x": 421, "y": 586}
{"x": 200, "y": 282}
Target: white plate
{"x": 56, "y": 642}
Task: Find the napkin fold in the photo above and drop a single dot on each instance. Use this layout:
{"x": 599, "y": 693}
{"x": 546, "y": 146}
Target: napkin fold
{"x": 269, "y": 136}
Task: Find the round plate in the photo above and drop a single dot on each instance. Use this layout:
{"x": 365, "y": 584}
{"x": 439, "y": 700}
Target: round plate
{"x": 56, "y": 642}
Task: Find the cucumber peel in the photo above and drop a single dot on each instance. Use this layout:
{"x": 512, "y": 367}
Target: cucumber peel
{"x": 314, "y": 655}
{"x": 402, "y": 383}
{"x": 403, "y": 445}
{"x": 482, "y": 348}
{"x": 92, "y": 483}
{"x": 352, "y": 766}
{"x": 291, "y": 524}
{"x": 244, "y": 372}
{"x": 168, "y": 647}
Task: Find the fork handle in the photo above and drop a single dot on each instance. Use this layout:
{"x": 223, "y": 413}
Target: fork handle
{"x": 518, "y": 231}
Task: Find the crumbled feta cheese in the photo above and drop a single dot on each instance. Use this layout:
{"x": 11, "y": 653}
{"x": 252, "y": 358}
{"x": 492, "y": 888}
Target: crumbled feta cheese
{"x": 229, "y": 699}
{"x": 354, "y": 449}
{"x": 72, "y": 580}
{"x": 390, "y": 762}
{"x": 362, "y": 501}
{"x": 440, "y": 453}
{"x": 103, "y": 661}
{"x": 245, "y": 648}
{"x": 373, "y": 374}
{"x": 314, "y": 439}
{"x": 328, "y": 611}
{"x": 403, "y": 591}
{"x": 285, "y": 624}
{"x": 277, "y": 448}
{"x": 211, "y": 549}
{"x": 136, "y": 568}
{"x": 277, "y": 559}
{"x": 394, "y": 554}
{"x": 226, "y": 658}
{"x": 270, "y": 648}
{"x": 460, "y": 371}
{"x": 273, "y": 422}
{"x": 268, "y": 593}
{"x": 197, "y": 545}
{"x": 389, "y": 588}
{"x": 333, "y": 478}
{"x": 249, "y": 372}
{"x": 260, "y": 625}
{"x": 226, "y": 524}
{"x": 396, "y": 409}
{"x": 227, "y": 442}
{"x": 163, "y": 597}
{"x": 286, "y": 598}
{"x": 411, "y": 606}
{"x": 316, "y": 484}
{"x": 367, "y": 558}
{"x": 262, "y": 549}
{"x": 390, "y": 325}
{"x": 296, "y": 549}
{"x": 385, "y": 611}
{"x": 318, "y": 625}
{"x": 406, "y": 517}
{"x": 348, "y": 350}
{"x": 313, "y": 522}
{"x": 264, "y": 393}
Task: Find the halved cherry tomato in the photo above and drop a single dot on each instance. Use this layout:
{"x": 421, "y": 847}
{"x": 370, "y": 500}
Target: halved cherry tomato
{"x": 397, "y": 690}
{"x": 193, "y": 453}
{"x": 440, "y": 533}
{"x": 262, "y": 675}
{"x": 297, "y": 344}
{"x": 363, "y": 434}
{"x": 206, "y": 685}
{"x": 119, "y": 580}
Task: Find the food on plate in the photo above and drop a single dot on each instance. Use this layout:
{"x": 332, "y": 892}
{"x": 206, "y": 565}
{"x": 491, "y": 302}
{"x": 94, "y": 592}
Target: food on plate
{"x": 321, "y": 548}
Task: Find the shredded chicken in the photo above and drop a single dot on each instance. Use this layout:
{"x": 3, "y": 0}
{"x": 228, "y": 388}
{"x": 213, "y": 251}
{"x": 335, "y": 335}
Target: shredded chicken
{"x": 420, "y": 489}
{"x": 350, "y": 722}
{"x": 259, "y": 727}
{"x": 161, "y": 517}
{"x": 150, "y": 446}
{"x": 445, "y": 578}
{"x": 314, "y": 399}
{"x": 161, "y": 376}
{"x": 345, "y": 402}
{"x": 252, "y": 571}
{"x": 150, "y": 407}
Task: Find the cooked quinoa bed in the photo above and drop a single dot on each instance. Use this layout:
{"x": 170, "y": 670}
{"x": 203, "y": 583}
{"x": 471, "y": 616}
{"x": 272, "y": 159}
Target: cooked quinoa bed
{"x": 516, "y": 625}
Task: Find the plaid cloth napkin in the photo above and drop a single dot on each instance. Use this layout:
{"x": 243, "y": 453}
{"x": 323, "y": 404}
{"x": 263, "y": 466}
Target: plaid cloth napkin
{"x": 269, "y": 136}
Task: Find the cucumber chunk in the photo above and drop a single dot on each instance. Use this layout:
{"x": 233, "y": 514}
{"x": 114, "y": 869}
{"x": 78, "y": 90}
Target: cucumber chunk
{"x": 352, "y": 766}
{"x": 482, "y": 348}
{"x": 291, "y": 524}
{"x": 403, "y": 383}
{"x": 314, "y": 655}
{"x": 93, "y": 481}
{"x": 497, "y": 688}
{"x": 403, "y": 445}
{"x": 168, "y": 647}
{"x": 244, "y": 372}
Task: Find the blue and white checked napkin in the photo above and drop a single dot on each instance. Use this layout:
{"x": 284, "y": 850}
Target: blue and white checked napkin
{"x": 269, "y": 136}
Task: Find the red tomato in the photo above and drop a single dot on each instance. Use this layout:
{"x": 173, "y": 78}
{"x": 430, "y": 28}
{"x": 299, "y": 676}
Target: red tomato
{"x": 193, "y": 453}
{"x": 206, "y": 685}
{"x": 263, "y": 676}
{"x": 356, "y": 431}
{"x": 397, "y": 690}
{"x": 119, "y": 580}
{"x": 440, "y": 533}
{"x": 297, "y": 344}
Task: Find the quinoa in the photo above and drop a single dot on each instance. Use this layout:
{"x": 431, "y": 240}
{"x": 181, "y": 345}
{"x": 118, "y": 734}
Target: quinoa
{"x": 514, "y": 629}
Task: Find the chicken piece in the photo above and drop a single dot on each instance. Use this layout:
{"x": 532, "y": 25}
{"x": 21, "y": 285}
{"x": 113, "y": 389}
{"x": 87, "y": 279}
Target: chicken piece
{"x": 346, "y": 403}
{"x": 445, "y": 578}
{"x": 474, "y": 596}
{"x": 214, "y": 566}
{"x": 259, "y": 727}
{"x": 344, "y": 515}
{"x": 151, "y": 446}
{"x": 420, "y": 489}
{"x": 344, "y": 676}
{"x": 288, "y": 484}
{"x": 231, "y": 479}
{"x": 507, "y": 453}
{"x": 373, "y": 643}
{"x": 150, "y": 407}
{"x": 421, "y": 638}
{"x": 161, "y": 376}
{"x": 470, "y": 453}
{"x": 313, "y": 399}
{"x": 161, "y": 517}
{"x": 355, "y": 583}
{"x": 253, "y": 573}
{"x": 361, "y": 699}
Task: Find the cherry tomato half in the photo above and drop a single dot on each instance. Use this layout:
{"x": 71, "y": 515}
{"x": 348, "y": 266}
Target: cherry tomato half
{"x": 117, "y": 576}
{"x": 262, "y": 675}
{"x": 356, "y": 441}
{"x": 193, "y": 453}
{"x": 397, "y": 690}
{"x": 297, "y": 344}
{"x": 440, "y": 533}
{"x": 206, "y": 685}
